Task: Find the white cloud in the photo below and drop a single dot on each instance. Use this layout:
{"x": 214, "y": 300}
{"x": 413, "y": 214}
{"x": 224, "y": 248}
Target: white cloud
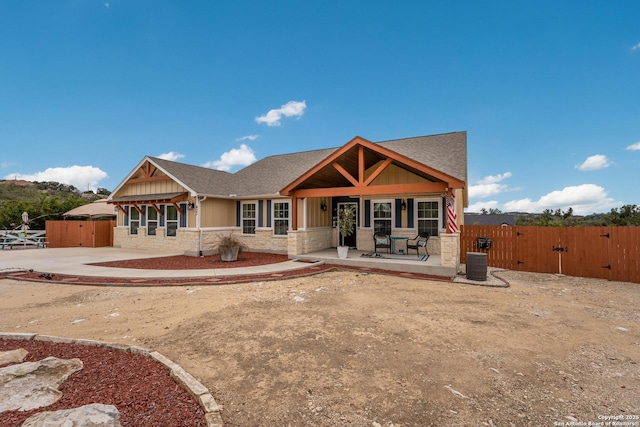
{"x": 634, "y": 147}
{"x": 594, "y": 163}
{"x": 171, "y": 155}
{"x": 489, "y": 186}
{"x": 584, "y": 199}
{"x": 82, "y": 177}
{"x": 290, "y": 109}
{"x": 490, "y": 179}
{"x": 242, "y": 156}
{"x": 248, "y": 138}
{"x": 636, "y": 47}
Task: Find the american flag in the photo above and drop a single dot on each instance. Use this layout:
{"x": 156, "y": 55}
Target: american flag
{"x": 452, "y": 218}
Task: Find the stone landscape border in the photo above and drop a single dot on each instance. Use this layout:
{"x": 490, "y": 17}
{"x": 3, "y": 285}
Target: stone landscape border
{"x": 182, "y": 377}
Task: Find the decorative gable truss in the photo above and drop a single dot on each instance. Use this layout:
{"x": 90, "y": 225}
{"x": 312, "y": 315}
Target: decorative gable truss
{"x": 146, "y": 173}
{"x": 352, "y": 170}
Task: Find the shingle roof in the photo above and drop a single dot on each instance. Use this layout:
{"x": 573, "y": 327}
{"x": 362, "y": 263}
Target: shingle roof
{"x": 201, "y": 180}
{"x": 489, "y": 219}
{"x": 273, "y": 173}
{"x": 446, "y": 153}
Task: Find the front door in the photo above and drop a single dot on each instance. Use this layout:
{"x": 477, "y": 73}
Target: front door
{"x": 349, "y": 240}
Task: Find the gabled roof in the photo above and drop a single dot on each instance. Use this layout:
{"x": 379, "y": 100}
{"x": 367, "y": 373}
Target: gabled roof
{"x": 197, "y": 180}
{"x": 446, "y": 153}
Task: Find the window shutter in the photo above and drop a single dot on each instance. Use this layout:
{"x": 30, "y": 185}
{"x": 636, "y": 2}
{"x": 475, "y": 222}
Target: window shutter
{"x": 161, "y": 215}
{"x": 126, "y": 216}
{"x": 143, "y": 217}
{"x": 269, "y": 213}
{"x": 238, "y": 212}
{"x": 398, "y": 213}
{"x": 367, "y": 213}
{"x": 183, "y": 218}
{"x": 410, "y": 213}
{"x": 443, "y": 214}
{"x": 260, "y": 210}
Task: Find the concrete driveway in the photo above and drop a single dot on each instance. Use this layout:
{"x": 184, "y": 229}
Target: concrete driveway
{"x": 77, "y": 261}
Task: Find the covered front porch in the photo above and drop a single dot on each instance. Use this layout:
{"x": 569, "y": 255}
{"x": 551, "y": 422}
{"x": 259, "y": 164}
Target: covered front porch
{"x": 394, "y": 197}
{"x": 391, "y": 262}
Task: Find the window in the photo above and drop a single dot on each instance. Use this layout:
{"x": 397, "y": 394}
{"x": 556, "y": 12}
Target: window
{"x": 280, "y": 218}
{"x": 428, "y": 217}
{"x": 134, "y": 221}
{"x": 172, "y": 220}
{"x": 382, "y": 217}
{"x": 152, "y": 221}
{"x": 249, "y": 218}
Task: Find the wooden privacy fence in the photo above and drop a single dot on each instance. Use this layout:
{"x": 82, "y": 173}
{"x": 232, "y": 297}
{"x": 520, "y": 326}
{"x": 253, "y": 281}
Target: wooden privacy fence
{"x": 71, "y": 234}
{"x": 610, "y": 253}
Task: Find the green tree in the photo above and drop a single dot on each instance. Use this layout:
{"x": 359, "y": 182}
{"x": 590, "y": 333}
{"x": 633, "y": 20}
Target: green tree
{"x": 40, "y": 200}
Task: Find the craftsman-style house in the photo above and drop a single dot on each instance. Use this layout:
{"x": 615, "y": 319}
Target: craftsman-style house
{"x": 287, "y": 203}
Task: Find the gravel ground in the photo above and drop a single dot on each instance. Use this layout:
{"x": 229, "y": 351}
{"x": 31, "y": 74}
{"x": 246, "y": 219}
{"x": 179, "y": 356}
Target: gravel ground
{"x": 362, "y": 349}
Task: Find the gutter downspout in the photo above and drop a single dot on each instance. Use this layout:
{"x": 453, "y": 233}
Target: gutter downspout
{"x": 199, "y": 223}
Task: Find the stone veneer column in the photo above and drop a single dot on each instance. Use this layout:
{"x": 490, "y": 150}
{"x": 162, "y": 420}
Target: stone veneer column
{"x": 294, "y": 242}
{"x": 450, "y": 250}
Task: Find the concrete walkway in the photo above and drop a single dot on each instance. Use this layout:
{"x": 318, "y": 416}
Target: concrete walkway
{"x": 75, "y": 262}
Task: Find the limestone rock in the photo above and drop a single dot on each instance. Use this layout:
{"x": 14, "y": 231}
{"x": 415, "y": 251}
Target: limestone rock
{"x": 12, "y": 356}
{"x": 32, "y": 385}
{"x": 94, "y": 415}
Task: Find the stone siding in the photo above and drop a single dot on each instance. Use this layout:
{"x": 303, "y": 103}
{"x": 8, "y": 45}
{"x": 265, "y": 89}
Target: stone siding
{"x": 305, "y": 241}
{"x": 264, "y": 241}
{"x": 185, "y": 240}
{"x": 188, "y": 240}
{"x": 450, "y": 247}
{"x": 296, "y": 243}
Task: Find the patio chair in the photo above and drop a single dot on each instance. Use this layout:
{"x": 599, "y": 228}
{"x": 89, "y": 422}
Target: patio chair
{"x": 381, "y": 241}
{"x": 420, "y": 241}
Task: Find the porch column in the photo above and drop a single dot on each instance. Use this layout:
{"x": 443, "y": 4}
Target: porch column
{"x": 294, "y": 213}
{"x": 450, "y": 250}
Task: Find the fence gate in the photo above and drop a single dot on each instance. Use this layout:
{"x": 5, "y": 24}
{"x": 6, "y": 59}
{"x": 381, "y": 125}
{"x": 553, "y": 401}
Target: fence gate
{"x": 611, "y": 253}
{"x": 533, "y": 249}
{"x": 73, "y": 233}
{"x": 585, "y": 252}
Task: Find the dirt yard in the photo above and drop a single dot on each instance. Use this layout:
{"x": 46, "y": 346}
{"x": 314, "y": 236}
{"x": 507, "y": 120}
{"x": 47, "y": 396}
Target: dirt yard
{"x": 358, "y": 349}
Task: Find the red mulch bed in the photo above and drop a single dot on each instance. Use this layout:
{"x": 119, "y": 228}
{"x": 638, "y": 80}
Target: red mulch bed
{"x": 137, "y": 385}
{"x": 183, "y": 262}
{"x": 180, "y": 262}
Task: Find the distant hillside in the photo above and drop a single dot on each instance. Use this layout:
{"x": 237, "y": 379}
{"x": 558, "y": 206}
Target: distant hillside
{"x": 41, "y": 200}
{"x": 18, "y": 182}
{"x": 626, "y": 215}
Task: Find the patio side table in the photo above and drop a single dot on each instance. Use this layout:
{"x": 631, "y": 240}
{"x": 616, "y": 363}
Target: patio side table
{"x": 394, "y": 240}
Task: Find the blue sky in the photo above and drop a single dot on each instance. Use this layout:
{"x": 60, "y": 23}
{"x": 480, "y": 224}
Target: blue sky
{"x": 548, "y": 91}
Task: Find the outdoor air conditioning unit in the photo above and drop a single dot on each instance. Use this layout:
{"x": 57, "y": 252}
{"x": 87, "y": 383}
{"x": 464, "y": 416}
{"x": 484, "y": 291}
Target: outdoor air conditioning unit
{"x": 477, "y": 266}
